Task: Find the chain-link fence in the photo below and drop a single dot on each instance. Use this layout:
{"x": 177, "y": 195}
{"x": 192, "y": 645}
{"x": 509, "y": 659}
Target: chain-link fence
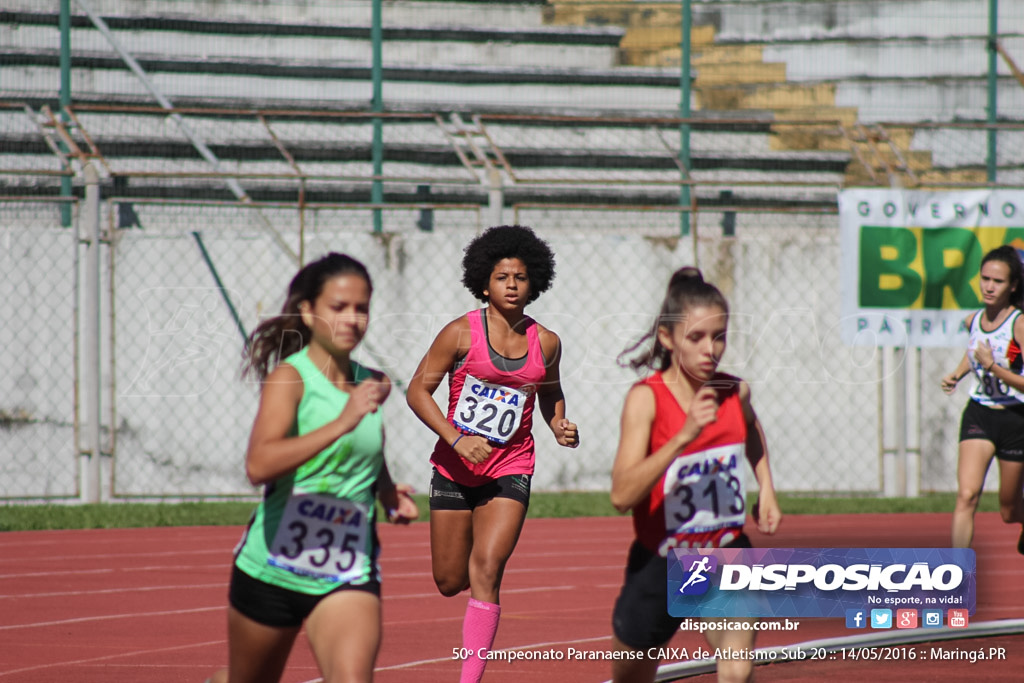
{"x": 558, "y": 115}
{"x": 184, "y": 298}
{"x": 39, "y": 457}
{"x": 180, "y": 291}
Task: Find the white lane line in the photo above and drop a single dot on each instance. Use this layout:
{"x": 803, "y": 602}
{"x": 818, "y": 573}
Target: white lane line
{"x": 532, "y": 646}
{"x": 225, "y": 567}
{"x": 109, "y": 617}
{"x": 112, "y": 556}
{"x": 103, "y": 591}
{"x": 504, "y": 591}
{"x": 521, "y": 570}
{"x": 105, "y": 658}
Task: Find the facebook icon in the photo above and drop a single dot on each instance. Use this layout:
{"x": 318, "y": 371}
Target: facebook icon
{"x": 856, "y": 618}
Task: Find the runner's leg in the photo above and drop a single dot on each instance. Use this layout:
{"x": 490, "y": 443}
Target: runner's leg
{"x": 257, "y": 653}
{"x": 344, "y": 633}
{"x": 972, "y": 465}
{"x": 451, "y": 541}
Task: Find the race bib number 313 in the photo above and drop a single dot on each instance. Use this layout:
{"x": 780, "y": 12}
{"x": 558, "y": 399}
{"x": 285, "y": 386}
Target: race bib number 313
{"x": 704, "y": 491}
{"x": 489, "y": 410}
{"x": 322, "y": 536}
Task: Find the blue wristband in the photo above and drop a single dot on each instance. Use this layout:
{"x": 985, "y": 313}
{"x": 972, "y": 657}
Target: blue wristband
{"x": 457, "y": 440}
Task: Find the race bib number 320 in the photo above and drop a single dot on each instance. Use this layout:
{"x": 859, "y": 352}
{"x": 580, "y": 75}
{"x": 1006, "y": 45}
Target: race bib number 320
{"x": 489, "y": 410}
{"x": 704, "y": 491}
{"x": 322, "y": 536}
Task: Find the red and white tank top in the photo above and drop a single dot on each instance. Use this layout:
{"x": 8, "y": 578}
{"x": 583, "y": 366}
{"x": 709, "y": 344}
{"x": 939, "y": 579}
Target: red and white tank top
{"x": 485, "y": 400}
{"x": 700, "y": 499}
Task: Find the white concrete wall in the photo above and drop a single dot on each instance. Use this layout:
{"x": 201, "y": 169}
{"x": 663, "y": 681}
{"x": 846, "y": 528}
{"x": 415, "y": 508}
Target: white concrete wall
{"x": 38, "y": 454}
{"x": 183, "y": 415}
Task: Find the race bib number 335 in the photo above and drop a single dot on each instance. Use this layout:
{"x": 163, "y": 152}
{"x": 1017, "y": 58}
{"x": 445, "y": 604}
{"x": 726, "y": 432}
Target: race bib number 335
{"x": 322, "y": 536}
{"x": 489, "y": 410}
{"x": 704, "y": 491}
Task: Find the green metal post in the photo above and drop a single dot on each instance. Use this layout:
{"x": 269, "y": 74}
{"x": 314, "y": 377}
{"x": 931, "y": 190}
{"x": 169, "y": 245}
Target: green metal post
{"x": 684, "y": 112}
{"x": 993, "y": 84}
{"x": 377, "y": 190}
{"x": 65, "y": 98}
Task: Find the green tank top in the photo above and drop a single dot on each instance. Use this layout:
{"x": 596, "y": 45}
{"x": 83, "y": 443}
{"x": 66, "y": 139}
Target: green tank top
{"x": 314, "y": 528}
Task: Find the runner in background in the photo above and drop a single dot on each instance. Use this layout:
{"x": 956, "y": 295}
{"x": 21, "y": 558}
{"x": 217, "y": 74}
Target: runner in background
{"x": 310, "y": 551}
{"x": 498, "y": 361}
{"x": 686, "y": 413}
{"x": 993, "y": 421}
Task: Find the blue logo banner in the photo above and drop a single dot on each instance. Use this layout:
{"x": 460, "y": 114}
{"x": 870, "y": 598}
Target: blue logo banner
{"x": 818, "y": 582}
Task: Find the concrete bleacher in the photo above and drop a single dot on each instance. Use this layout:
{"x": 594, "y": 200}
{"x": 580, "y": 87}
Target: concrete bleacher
{"x": 851, "y": 61}
{"x": 571, "y": 47}
{"x": 479, "y": 57}
{"x": 586, "y": 160}
{"x": 917, "y": 60}
{"x": 214, "y": 57}
{"x": 910, "y": 61}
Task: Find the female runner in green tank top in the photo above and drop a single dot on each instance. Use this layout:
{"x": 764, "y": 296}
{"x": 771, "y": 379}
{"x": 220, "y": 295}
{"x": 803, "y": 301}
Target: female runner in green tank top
{"x": 309, "y": 554}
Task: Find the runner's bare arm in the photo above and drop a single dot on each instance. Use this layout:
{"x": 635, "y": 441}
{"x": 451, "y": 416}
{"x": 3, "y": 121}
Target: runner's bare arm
{"x": 634, "y": 473}
{"x": 983, "y": 354}
{"x": 451, "y": 343}
{"x": 272, "y": 452}
{"x": 766, "y": 512}
{"x": 550, "y": 398}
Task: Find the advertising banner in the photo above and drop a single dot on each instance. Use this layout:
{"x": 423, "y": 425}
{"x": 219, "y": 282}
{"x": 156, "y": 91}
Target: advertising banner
{"x": 910, "y": 261}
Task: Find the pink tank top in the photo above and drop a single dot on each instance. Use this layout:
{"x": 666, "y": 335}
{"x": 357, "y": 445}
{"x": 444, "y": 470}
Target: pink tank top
{"x": 487, "y": 401}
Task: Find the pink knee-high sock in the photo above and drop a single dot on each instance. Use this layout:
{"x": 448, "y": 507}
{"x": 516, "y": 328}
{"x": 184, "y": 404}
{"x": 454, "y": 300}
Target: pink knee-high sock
{"x": 478, "y": 629}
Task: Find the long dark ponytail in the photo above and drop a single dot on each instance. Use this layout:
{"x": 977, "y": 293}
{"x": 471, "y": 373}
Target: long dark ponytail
{"x": 686, "y": 289}
{"x": 279, "y": 337}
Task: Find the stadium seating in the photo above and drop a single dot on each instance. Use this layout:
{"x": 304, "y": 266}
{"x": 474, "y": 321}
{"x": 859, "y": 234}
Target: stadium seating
{"x": 752, "y": 70}
{"x": 860, "y": 63}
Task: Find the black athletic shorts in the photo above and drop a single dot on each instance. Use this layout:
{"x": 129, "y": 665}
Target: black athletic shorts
{"x": 446, "y": 494}
{"x": 640, "y": 618}
{"x": 1004, "y": 427}
{"x": 280, "y": 607}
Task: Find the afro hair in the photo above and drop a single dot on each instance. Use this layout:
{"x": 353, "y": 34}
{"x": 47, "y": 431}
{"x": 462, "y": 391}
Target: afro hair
{"x": 502, "y": 242}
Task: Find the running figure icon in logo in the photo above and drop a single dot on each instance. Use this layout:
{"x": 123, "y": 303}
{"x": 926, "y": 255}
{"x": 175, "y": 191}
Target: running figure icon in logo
{"x": 697, "y": 582}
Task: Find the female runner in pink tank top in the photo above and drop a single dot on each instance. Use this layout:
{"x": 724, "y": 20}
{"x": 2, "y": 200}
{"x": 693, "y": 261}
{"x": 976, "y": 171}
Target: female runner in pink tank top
{"x": 499, "y": 362}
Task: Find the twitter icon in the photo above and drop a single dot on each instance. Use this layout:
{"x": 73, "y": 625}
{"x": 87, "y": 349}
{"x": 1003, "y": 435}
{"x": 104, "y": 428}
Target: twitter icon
{"x": 881, "y": 618}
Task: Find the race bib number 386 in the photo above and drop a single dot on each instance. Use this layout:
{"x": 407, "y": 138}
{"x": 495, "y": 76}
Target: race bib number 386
{"x": 704, "y": 491}
{"x": 322, "y": 536}
{"x": 489, "y": 410}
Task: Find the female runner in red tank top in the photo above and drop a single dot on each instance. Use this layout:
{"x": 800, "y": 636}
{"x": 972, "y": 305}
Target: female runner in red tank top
{"x": 685, "y": 414}
{"x": 498, "y": 361}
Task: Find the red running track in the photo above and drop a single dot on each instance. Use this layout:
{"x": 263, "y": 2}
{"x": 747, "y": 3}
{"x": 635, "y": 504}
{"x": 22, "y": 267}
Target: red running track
{"x": 129, "y": 605}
